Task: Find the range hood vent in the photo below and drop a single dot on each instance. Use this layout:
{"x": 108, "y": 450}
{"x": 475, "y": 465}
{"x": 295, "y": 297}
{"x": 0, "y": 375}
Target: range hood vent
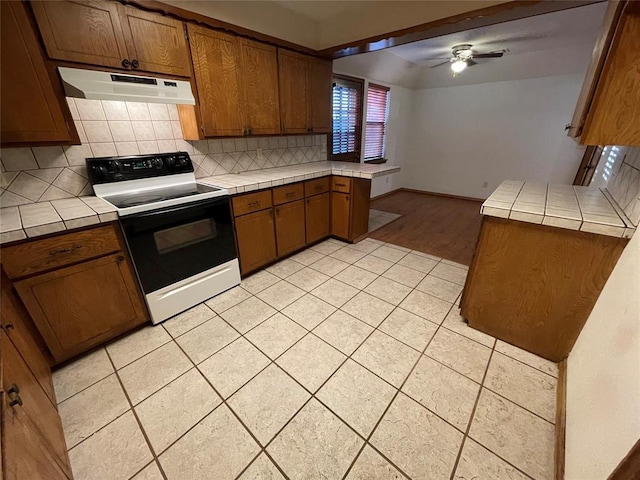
{"x": 96, "y": 85}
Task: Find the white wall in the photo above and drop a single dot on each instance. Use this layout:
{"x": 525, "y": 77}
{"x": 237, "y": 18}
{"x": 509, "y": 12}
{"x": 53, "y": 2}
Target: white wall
{"x": 461, "y": 137}
{"x": 603, "y": 377}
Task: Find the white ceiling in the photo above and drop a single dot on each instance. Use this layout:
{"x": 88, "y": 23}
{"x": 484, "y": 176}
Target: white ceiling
{"x": 321, "y": 10}
{"x": 551, "y": 44}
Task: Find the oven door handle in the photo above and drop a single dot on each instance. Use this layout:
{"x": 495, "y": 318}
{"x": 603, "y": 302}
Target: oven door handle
{"x": 178, "y": 208}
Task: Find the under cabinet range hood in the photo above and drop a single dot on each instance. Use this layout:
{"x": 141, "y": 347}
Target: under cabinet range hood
{"x": 97, "y": 85}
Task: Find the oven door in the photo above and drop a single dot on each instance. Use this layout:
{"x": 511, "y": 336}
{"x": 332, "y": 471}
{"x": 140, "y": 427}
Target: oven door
{"x": 175, "y": 243}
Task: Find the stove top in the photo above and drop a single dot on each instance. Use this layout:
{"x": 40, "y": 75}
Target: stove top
{"x": 133, "y": 199}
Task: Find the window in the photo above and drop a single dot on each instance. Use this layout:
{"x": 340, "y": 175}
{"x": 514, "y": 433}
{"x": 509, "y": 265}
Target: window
{"x": 377, "y": 112}
{"x": 607, "y": 164}
{"x": 347, "y": 119}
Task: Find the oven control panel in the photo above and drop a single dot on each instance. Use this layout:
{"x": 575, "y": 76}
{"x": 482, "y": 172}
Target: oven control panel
{"x": 118, "y": 169}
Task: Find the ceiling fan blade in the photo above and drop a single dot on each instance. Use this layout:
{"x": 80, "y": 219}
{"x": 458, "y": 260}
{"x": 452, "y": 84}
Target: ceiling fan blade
{"x": 488, "y": 55}
{"x": 471, "y": 63}
{"x": 440, "y": 64}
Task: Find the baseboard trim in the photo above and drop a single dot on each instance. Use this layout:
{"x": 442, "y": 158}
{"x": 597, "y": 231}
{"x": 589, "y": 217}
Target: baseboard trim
{"x": 561, "y": 420}
{"x": 438, "y": 194}
{"x": 386, "y": 194}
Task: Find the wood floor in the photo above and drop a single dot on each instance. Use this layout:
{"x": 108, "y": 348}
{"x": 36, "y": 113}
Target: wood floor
{"x": 441, "y": 226}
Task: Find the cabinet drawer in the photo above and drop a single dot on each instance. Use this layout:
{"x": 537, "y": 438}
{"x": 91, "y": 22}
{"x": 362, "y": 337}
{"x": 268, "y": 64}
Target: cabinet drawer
{"x": 40, "y": 255}
{"x": 341, "y": 184}
{"x": 251, "y": 202}
{"x": 288, "y": 193}
{"x": 317, "y": 186}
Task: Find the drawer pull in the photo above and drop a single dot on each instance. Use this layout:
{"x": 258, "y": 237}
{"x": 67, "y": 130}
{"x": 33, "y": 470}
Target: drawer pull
{"x": 341, "y": 184}
{"x": 14, "y": 396}
{"x": 15, "y": 401}
{"x": 121, "y": 259}
{"x": 13, "y": 389}
{"x": 253, "y": 204}
{"x": 65, "y": 250}
{"x": 290, "y": 194}
{"x": 8, "y": 326}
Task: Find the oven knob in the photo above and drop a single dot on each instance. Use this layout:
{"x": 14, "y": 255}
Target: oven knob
{"x": 182, "y": 162}
{"x": 158, "y": 162}
{"x": 100, "y": 170}
{"x": 170, "y": 161}
{"x": 117, "y": 166}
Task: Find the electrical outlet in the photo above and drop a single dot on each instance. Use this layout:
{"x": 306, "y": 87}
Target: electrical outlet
{"x": 259, "y": 153}
{"x": 387, "y": 180}
{"x": 485, "y": 184}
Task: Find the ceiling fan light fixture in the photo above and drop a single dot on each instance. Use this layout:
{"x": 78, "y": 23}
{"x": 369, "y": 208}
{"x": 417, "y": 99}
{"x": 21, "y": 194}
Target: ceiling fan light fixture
{"x": 458, "y": 66}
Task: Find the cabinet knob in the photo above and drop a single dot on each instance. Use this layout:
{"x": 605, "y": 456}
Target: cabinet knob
{"x": 14, "y": 396}
{"x": 13, "y": 389}
{"x": 8, "y": 326}
{"x": 126, "y": 63}
{"x": 135, "y": 63}
{"x": 121, "y": 259}
{"x": 15, "y": 401}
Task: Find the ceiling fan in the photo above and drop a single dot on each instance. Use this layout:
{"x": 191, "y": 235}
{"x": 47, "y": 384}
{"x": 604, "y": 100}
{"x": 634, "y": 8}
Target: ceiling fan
{"x": 463, "y": 56}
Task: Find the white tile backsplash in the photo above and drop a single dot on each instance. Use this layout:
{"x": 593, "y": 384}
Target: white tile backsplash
{"x": 108, "y": 128}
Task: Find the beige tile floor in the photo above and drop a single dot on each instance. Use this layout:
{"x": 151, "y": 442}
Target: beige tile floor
{"x": 339, "y": 362}
{"x": 378, "y": 218}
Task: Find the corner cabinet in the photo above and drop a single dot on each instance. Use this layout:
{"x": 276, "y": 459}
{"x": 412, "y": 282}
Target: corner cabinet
{"x": 33, "y": 106}
{"x": 350, "y": 198}
{"x": 112, "y": 35}
{"x": 305, "y": 93}
{"x": 608, "y": 108}
{"x": 79, "y": 288}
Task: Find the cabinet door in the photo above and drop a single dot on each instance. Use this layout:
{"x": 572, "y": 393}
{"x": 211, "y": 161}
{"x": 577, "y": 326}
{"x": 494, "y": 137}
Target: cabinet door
{"x": 260, "y": 83}
{"x": 78, "y": 307}
{"x": 318, "y": 217}
{"x": 17, "y": 325}
{"x": 157, "y": 42}
{"x": 216, "y": 63}
{"x": 23, "y": 390}
{"x": 614, "y": 115}
{"x": 320, "y": 74}
{"x": 31, "y": 111}
{"x": 340, "y": 214}
{"x": 82, "y": 31}
{"x": 292, "y": 69}
{"x": 290, "y": 227}
{"x": 256, "y": 240}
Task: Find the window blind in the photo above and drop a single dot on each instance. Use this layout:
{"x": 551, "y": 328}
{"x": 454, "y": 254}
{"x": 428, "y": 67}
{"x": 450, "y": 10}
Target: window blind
{"x": 377, "y": 112}
{"x": 347, "y": 120}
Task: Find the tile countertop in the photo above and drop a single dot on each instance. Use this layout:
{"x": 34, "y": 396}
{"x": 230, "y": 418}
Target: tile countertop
{"x": 42, "y": 218}
{"x": 272, "y": 177}
{"x": 566, "y": 206}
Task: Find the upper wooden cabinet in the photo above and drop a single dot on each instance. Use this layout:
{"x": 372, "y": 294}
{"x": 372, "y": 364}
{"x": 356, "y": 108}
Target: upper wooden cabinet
{"x": 112, "y": 35}
{"x": 608, "y": 109}
{"x": 305, "y": 93}
{"x": 237, "y": 84}
{"x": 33, "y": 108}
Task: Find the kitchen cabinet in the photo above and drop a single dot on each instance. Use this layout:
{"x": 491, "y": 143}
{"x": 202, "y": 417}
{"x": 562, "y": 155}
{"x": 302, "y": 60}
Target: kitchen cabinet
{"x": 112, "y": 35}
{"x": 318, "y": 217}
{"x": 33, "y": 106}
{"x": 256, "y": 240}
{"x": 305, "y": 93}
{"x": 534, "y": 286}
{"x": 79, "y": 288}
{"x": 237, "y": 84}
{"x": 290, "y": 227}
{"x": 350, "y": 207}
{"x": 608, "y": 108}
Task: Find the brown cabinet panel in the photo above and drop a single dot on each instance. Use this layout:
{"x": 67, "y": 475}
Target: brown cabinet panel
{"x": 340, "y": 214}
{"x": 78, "y": 307}
{"x": 319, "y": 185}
{"x": 320, "y": 78}
{"x": 290, "y": 227}
{"x": 31, "y": 111}
{"x": 260, "y": 83}
{"x": 251, "y": 202}
{"x": 614, "y": 115}
{"x": 256, "y": 240}
{"x": 157, "y": 42}
{"x": 288, "y": 193}
{"x": 360, "y": 203}
{"x": 318, "y": 217}
{"x": 341, "y": 184}
{"x": 26, "y": 455}
{"x": 82, "y": 31}
{"x": 23, "y": 390}
{"x": 19, "y": 328}
{"x": 40, "y": 255}
{"x": 293, "y": 92}
{"x": 216, "y": 63}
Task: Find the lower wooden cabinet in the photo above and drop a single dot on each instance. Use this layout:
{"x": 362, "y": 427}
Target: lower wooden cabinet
{"x": 78, "y": 307}
{"x": 318, "y": 217}
{"x": 256, "y": 240}
{"x": 340, "y": 213}
{"x": 290, "y": 227}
